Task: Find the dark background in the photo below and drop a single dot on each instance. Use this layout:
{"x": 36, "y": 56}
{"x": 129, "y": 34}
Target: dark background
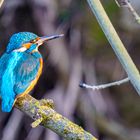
{"x": 83, "y": 54}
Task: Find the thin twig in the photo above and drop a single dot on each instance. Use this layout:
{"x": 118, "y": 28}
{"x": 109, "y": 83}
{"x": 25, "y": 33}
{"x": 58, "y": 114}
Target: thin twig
{"x": 126, "y": 3}
{"x": 103, "y": 86}
{"x": 51, "y": 119}
{"x": 116, "y": 43}
{"x": 121, "y": 3}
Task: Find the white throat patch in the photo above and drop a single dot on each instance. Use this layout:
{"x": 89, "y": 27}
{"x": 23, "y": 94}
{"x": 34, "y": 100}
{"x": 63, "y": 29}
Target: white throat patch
{"x": 22, "y": 49}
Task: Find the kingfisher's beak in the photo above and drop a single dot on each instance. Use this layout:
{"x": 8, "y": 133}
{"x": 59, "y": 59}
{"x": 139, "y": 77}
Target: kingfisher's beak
{"x": 41, "y": 40}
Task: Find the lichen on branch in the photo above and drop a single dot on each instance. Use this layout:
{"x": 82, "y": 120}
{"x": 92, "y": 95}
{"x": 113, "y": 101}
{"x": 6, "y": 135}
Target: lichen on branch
{"x": 43, "y": 113}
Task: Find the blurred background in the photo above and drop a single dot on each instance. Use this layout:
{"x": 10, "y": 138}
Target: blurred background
{"x": 83, "y": 55}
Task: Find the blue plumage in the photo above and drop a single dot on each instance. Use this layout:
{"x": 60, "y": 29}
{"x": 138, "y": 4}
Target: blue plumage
{"x": 17, "y": 69}
{"x": 7, "y": 84}
{"x": 25, "y": 71}
{"x": 20, "y": 66}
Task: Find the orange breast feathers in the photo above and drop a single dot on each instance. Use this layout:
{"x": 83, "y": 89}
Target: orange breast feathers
{"x": 33, "y": 83}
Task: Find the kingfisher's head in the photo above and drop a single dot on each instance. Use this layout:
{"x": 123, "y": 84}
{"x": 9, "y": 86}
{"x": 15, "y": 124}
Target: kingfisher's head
{"x": 27, "y": 41}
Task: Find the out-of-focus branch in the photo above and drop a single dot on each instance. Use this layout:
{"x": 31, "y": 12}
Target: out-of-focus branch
{"x": 126, "y": 3}
{"x": 40, "y": 110}
{"x": 116, "y": 43}
{"x": 14, "y": 122}
{"x": 1, "y": 2}
{"x": 115, "y": 130}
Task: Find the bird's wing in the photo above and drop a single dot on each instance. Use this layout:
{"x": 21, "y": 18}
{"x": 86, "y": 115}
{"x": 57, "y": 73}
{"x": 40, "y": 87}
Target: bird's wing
{"x": 25, "y": 72}
{"x": 16, "y": 73}
{"x": 7, "y": 80}
{"x": 3, "y": 64}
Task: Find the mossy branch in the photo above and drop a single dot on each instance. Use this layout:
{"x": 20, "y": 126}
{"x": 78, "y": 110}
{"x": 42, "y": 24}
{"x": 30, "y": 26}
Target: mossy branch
{"x": 43, "y": 113}
{"x": 116, "y": 43}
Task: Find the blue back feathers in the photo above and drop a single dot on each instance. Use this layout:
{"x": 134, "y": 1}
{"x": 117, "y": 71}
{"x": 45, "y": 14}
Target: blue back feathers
{"x": 17, "y": 69}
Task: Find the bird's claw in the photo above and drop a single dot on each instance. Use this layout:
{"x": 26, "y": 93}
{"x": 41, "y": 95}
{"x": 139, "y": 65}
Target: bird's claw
{"x": 37, "y": 122}
{"x": 38, "y": 117}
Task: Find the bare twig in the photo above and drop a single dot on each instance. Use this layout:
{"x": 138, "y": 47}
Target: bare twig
{"x": 126, "y": 3}
{"x": 121, "y": 3}
{"x": 103, "y": 86}
{"x": 116, "y": 43}
{"x": 51, "y": 119}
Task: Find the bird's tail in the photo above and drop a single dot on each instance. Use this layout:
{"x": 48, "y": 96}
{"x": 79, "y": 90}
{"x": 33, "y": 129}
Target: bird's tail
{"x": 7, "y": 104}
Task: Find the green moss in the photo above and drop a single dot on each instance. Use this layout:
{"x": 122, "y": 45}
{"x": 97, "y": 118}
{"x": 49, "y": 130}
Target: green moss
{"x": 51, "y": 119}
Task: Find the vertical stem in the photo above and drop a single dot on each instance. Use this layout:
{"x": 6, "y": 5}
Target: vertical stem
{"x": 116, "y": 43}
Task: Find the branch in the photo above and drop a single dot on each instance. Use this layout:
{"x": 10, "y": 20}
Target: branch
{"x": 42, "y": 112}
{"x": 1, "y": 2}
{"x": 103, "y": 86}
{"x": 116, "y": 43}
{"x": 126, "y": 3}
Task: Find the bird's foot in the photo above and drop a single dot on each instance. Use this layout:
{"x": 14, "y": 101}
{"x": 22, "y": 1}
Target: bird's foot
{"x": 47, "y": 102}
{"x": 38, "y": 117}
{"x": 37, "y": 122}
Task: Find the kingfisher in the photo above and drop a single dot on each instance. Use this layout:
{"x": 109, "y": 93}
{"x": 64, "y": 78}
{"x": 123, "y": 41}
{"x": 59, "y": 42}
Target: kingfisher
{"x": 20, "y": 66}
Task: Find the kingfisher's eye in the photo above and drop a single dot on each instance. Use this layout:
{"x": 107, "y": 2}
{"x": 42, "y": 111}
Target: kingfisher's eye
{"x": 33, "y": 41}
